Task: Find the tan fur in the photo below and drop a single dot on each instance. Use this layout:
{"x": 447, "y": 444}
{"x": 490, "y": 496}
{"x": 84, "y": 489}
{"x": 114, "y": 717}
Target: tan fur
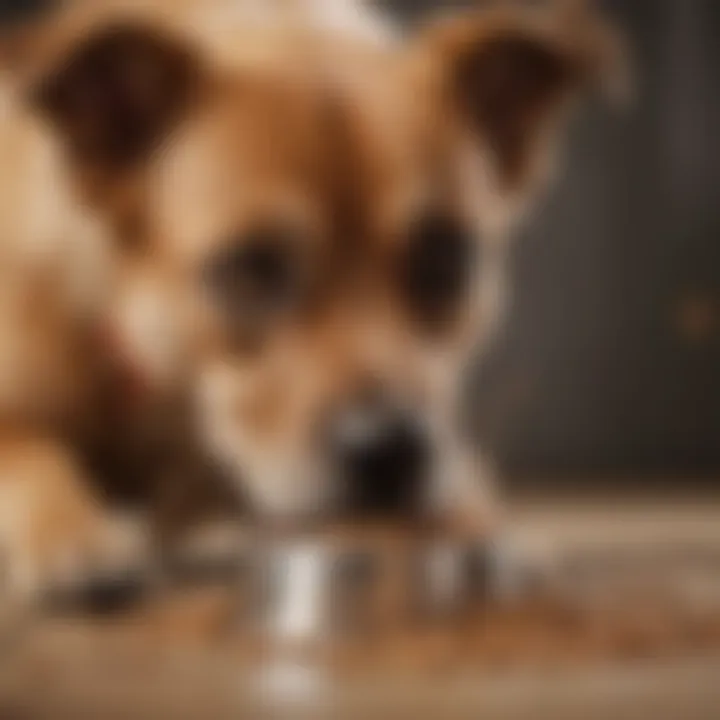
{"x": 343, "y": 138}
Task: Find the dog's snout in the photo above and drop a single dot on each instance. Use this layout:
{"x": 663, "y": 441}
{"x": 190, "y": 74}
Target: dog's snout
{"x": 384, "y": 459}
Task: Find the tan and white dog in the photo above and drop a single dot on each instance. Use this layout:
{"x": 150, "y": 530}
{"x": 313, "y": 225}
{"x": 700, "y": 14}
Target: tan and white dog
{"x": 287, "y": 214}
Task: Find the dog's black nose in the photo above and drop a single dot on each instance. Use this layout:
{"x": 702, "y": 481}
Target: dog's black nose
{"x": 384, "y": 464}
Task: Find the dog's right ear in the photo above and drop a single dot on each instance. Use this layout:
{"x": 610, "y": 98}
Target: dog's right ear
{"x": 510, "y": 71}
{"x": 118, "y": 93}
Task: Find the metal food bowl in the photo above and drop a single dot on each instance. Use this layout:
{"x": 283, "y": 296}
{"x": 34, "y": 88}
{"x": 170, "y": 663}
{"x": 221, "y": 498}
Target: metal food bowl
{"x": 364, "y": 579}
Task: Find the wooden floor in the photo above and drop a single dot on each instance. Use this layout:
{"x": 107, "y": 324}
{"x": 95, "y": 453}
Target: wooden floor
{"x": 618, "y": 648}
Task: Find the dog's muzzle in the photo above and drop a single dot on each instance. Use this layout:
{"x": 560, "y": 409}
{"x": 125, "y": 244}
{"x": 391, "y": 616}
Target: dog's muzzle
{"x": 383, "y": 457}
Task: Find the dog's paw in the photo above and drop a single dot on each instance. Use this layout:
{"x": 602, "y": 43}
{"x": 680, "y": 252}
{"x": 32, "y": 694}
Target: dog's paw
{"x": 55, "y": 536}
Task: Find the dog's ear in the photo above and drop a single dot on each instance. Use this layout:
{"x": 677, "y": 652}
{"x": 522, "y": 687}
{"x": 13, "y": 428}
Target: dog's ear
{"x": 118, "y": 92}
{"x": 511, "y": 70}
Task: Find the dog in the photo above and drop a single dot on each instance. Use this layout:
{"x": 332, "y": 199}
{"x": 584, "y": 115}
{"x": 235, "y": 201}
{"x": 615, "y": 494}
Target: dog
{"x": 304, "y": 217}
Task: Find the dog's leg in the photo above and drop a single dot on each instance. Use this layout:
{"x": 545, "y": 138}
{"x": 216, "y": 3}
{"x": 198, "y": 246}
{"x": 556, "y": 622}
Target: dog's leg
{"x": 473, "y": 511}
{"x": 54, "y": 533}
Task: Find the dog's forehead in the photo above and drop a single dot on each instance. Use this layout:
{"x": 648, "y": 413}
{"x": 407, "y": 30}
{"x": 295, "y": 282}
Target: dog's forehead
{"x": 303, "y": 146}
{"x": 251, "y": 151}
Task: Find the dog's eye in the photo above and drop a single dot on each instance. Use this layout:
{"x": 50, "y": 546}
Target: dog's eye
{"x": 437, "y": 267}
{"x": 258, "y": 275}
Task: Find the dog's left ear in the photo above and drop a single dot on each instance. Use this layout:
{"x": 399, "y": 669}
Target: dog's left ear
{"x": 511, "y": 71}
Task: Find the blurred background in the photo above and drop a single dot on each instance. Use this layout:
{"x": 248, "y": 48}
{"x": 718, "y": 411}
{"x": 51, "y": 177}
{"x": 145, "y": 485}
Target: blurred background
{"x": 605, "y": 375}
{"x": 609, "y": 365}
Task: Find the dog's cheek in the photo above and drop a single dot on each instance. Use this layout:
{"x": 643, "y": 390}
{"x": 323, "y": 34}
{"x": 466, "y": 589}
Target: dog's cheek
{"x": 148, "y": 331}
{"x": 259, "y": 430}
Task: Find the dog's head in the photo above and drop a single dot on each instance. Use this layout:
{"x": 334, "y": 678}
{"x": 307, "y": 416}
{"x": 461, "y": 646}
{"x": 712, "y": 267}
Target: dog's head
{"x": 325, "y": 221}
